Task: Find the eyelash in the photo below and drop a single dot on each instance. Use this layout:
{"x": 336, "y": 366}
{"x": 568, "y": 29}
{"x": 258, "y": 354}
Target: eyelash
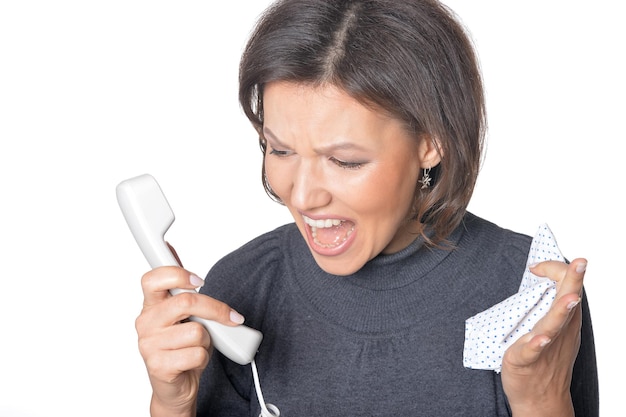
{"x": 346, "y": 165}
{"x": 278, "y": 153}
{"x": 338, "y": 162}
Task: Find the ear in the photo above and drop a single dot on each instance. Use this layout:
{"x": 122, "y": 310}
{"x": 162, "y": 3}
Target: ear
{"x": 429, "y": 151}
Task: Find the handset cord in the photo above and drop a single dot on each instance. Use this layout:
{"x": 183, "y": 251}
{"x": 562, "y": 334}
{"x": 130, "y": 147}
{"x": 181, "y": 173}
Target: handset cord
{"x": 267, "y": 410}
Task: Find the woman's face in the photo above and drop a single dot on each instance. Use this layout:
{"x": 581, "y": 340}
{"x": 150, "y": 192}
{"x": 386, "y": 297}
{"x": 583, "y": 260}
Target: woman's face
{"x": 347, "y": 173}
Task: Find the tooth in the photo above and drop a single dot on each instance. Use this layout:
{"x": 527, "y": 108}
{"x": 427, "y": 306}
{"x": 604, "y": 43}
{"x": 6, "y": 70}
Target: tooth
{"x": 322, "y": 223}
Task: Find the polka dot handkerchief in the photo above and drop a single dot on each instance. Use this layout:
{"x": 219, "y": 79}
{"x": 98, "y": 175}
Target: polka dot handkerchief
{"x": 490, "y": 333}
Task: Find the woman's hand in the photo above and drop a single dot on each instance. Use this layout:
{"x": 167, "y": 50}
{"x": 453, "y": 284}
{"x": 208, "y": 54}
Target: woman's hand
{"x": 175, "y": 350}
{"x": 537, "y": 369}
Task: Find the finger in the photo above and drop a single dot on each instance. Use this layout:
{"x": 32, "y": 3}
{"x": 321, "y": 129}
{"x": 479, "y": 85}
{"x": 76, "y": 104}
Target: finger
{"x": 570, "y": 282}
{"x": 175, "y": 309}
{"x": 188, "y": 304}
{"x": 157, "y": 283}
{"x": 557, "y": 317}
{"x": 527, "y": 349}
{"x": 546, "y": 330}
{"x": 561, "y": 326}
{"x": 570, "y": 277}
{"x": 553, "y": 325}
{"x": 169, "y": 364}
{"x": 180, "y": 336}
{"x": 187, "y": 335}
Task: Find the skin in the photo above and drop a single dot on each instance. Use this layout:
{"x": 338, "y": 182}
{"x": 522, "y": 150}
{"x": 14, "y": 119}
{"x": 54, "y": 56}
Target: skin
{"x": 330, "y": 157}
{"x": 537, "y": 369}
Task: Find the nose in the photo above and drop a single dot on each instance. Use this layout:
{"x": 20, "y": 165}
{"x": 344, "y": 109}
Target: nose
{"x": 309, "y": 188}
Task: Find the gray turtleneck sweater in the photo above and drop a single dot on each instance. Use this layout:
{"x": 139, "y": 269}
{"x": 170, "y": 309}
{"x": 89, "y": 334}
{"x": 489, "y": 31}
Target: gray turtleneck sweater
{"x": 386, "y": 341}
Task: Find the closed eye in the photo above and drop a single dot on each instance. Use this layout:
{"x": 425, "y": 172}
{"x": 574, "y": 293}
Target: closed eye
{"x": 346, "y": 164}
{"x": 278, "y": 152}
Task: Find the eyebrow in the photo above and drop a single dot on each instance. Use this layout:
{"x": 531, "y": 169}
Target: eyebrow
{"x": 268, "y": 133}
{"x": 321, "y": 150}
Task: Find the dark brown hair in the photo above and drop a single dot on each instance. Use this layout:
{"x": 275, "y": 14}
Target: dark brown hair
{"x": 409, "y": 58}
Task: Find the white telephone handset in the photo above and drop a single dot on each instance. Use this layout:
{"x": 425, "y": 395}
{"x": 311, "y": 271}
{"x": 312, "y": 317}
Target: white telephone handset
{"x": 149, "y": 216}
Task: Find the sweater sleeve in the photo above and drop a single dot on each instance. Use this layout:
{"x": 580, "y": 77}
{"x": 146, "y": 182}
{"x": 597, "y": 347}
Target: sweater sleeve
{"x": 584, "y": 388}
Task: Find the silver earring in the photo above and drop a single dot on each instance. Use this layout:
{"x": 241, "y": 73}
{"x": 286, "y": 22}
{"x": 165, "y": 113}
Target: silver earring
{"x": 425, "y": 180}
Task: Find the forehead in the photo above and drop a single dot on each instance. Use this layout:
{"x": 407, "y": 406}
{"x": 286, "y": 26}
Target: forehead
{"x": 322, "y": 109}
{"x": 290, "y": 95}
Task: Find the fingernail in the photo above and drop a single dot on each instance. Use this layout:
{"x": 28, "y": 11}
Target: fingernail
{"x": 236, "y": 317}
{"x": 195, "y": 280}
{"x": 573, "y": 304}
{"x": 581, "y": 267}
{"x": 531, "y": 266}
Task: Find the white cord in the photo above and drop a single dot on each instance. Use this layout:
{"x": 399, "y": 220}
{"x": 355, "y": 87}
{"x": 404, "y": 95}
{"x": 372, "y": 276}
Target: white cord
{"x": 267, "y": 410}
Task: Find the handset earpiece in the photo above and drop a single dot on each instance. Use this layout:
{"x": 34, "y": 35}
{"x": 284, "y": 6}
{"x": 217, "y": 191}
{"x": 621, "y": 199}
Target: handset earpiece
{"x": 149, "y": 216}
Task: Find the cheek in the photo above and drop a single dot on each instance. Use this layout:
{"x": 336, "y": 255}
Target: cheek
{"x": 390, "y": 190}
{"x": 278, "y": 177}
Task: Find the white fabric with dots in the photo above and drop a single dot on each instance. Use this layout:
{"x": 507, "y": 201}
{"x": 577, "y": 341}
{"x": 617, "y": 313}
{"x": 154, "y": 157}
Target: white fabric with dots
{"x": 489, "y": 333}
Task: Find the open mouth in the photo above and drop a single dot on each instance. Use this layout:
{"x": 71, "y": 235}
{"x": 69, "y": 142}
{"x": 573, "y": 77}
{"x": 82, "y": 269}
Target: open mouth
{"x": 329, "y": 233}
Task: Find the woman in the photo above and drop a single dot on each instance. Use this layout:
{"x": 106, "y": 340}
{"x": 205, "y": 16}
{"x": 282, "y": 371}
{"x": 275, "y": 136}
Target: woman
{"x": 371, "y": 120}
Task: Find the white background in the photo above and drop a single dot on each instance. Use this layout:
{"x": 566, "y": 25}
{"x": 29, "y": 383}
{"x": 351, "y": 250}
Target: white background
{"x": 92, "y": 93}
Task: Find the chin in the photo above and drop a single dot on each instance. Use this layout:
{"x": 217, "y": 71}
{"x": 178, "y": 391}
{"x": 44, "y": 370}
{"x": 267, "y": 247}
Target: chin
{"x": 336, "y": 266}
